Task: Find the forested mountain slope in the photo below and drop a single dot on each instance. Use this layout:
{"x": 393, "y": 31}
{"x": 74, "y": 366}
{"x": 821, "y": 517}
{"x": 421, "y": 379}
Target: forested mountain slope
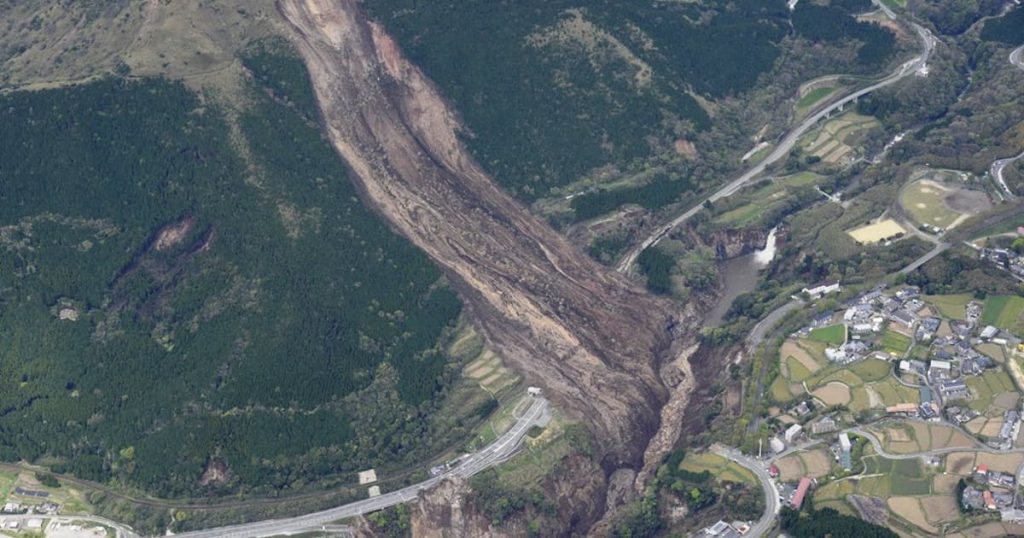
{"x": 551, "y": 91}
{"x": 192, "y": 302}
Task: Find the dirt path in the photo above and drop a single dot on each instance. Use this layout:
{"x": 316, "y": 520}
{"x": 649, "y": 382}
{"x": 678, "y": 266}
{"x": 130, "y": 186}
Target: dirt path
{"x": 586, "y": 334}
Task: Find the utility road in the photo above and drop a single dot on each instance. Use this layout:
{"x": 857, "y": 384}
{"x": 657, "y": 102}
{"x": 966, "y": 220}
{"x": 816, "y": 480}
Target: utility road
{"x": 782, "y": 149}
{"x": 498, "y": 451}
{"x": 120, "y": 530}
{"x": 771, "y": 495}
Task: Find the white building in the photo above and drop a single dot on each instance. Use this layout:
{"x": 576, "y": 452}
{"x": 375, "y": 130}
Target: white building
{"x": 822, "y": 289}
{"x": 940, "y": 365}
{"x": 844, "y": 442}
{"x": 776, "y": 445}
{"x": 792, "y": 432}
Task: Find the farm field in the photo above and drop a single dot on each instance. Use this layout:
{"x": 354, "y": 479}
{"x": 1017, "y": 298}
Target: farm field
{"x": 941, "y": 205}
{"x": 838, "y": 139}
{"x": 950, "y": 306}
{"x": 878, "y": 231}
{"x": 988, "y": 387}
{"x": 895, "y": 343}
{"x": 833, "y": 334}
{"x": 719, "y": 467}
{"x": 1005, "y": 312}
{"x": 912, "y": 437}
{"x": 813, "y": 463}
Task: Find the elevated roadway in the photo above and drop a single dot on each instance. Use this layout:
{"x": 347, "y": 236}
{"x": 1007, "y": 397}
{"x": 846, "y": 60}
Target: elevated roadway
{"x": 500, "y": 450}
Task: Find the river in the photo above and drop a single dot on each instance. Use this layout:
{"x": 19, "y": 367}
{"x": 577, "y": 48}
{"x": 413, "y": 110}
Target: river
{"x": 740, "y": 275}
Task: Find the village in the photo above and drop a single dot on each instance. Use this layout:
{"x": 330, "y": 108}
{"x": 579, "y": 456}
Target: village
{"x": 896, "y": 405}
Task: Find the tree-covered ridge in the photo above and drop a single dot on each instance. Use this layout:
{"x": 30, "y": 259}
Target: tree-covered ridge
{"x": 555, "y": 88}
{"x": 1007, "y": 29}
{"x": 834, "y": 23}
{"x": 187, "y": 304}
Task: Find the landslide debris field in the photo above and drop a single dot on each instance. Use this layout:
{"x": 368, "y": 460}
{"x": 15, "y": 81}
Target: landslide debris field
{"x": 585, "y": 333}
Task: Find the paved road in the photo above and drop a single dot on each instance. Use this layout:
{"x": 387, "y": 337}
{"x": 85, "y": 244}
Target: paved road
{"x": 498, "y": 451}
{"x": 937, "y": 452}
{"x": 939, "y": 249}
{"x": 1017, "y": 60}
{"x": 1017, "y": 57}
{"x": 771, "y": 495}
{"x": 928, "y": 42}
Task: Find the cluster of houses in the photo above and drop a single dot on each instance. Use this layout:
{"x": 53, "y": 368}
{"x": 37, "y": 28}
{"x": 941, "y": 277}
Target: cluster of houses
{"x": 991, "y": 490}
{"x": 1006, "y": 259}
{"x": 866, "y": 318}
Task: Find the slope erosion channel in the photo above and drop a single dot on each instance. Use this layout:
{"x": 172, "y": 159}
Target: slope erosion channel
{"x": 592, "y": 339}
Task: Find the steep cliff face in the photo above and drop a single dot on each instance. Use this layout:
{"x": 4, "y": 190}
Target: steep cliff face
{"x": 593, "y": 339}
{"x": 731, "y": 243}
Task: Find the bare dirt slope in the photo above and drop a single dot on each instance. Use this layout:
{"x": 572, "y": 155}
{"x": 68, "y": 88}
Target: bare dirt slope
{"x": 585, "y": 333}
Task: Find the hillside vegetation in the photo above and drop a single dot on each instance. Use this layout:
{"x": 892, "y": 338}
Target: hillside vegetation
{"x": 194, "y": 302}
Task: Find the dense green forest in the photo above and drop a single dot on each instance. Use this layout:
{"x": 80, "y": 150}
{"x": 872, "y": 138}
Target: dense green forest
{"x": 190, "y": 318}
{"x": 834, "y": 24}
{"x": 1007, "y": 29}
{"x": 828, "y": 522}
{"x": 555, "y": 88}
{"x": 659, "y": 192}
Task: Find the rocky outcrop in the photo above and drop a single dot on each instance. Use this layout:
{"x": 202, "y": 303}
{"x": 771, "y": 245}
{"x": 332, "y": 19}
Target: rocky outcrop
{"x": 588, "y": 335}
{"x": 730, "y": 243}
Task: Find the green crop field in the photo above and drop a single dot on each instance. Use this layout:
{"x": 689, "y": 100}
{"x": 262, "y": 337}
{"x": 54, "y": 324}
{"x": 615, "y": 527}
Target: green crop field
{"x": 950, "y": 306}
{"x": 1005, "y": 312}
{"x": 894, "y": 342}
{"x": 871, "y": 369}
{"x": 987, "y": 386}
{"x": 833, "y": 334}
{"x": 797, "y": 371}
{"x": 780, "y": 390}
{"x": 812, "y": 97}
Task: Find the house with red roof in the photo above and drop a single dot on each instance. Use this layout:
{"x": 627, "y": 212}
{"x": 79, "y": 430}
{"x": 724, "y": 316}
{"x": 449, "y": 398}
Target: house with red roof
{"x": 801, "y": 491}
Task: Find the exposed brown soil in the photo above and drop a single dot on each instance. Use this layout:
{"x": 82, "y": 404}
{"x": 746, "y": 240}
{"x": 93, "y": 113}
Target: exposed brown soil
{"x": 586, "y": 334}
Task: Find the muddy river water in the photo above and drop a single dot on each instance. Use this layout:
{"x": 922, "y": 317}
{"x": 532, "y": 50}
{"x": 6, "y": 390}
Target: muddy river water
{"x": 740, "y": 275}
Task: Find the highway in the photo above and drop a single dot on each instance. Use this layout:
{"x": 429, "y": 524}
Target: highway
{"x": 500, "y": 450}
{"x": 782, "y": 149}
{"x": 996, "y": 170}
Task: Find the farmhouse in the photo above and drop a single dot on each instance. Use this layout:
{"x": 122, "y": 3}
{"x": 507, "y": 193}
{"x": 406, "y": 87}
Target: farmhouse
{"x": 801, "y": 491}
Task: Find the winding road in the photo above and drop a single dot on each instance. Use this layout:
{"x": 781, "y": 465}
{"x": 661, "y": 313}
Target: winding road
{"x": 996, "y": 170}
{"x": 782, "y": 149}
{"x": 497, "y": 452}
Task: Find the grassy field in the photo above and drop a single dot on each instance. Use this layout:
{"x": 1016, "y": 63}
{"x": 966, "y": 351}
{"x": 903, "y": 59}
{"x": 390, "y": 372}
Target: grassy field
{"x": 804, "y": 104}
{"x": 894, "y": 342}
{"x": 1005, "y": 312}
{"x": 950, "y": 306}
{"x": 925, "y": 201}
{"x": 801, "y": 179}
{"x": 833, "y": 334}
{"x": 719, "y": 467}
{"x": 879, "y": 231}
{"x": 780, "y": 390}
{"x": 871, "y": 369}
